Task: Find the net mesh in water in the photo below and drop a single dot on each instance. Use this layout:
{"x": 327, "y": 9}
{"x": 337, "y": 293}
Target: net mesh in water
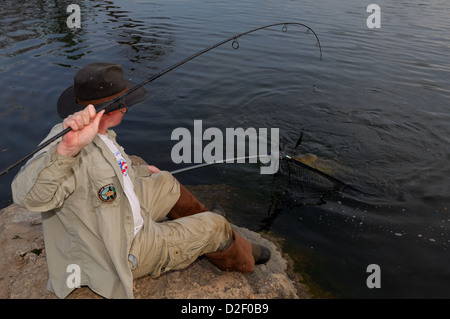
{"x": 300, "y": 174}
{"x": 298, "y": 183}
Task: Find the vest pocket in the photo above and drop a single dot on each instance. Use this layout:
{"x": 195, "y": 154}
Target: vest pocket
{"x": 105, "y": 188}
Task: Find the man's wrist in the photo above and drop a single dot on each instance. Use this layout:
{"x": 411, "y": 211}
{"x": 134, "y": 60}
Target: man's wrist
{"x": 65, "y": 150}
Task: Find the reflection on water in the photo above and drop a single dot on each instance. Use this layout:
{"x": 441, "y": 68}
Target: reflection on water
{"x": 39, "y": 53}
{"x": 27, "y": 23}
{"x": 374, "y": 110}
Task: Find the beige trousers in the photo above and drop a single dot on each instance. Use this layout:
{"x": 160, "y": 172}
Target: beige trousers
{"x": 163, "y": 245}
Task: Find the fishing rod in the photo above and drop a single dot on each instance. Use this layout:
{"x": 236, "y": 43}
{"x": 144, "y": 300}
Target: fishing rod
{"x": 235, "y": 45}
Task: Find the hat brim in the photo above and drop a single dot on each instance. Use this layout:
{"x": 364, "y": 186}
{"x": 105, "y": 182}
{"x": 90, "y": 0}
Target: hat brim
{"x": 67, "y": 105}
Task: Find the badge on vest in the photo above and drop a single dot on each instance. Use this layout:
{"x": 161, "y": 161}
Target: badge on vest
{"x": 107, "y": 193}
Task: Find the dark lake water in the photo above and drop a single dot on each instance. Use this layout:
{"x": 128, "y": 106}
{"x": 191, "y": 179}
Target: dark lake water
{"x": 375, "y": 108}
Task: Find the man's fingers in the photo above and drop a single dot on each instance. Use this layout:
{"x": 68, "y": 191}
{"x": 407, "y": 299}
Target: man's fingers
{"x": 94, "y": 116}
{"x": 70, "y": 122}
{"x": 79, "y": 120}
{"x": 86, "y": 117}
{"x": 98, "y": 117}
{"x": 91, "y": 111}
{"x": 153, "y": 169}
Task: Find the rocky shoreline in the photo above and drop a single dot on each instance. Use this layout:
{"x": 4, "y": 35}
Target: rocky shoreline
{"x": 23, "y": 269}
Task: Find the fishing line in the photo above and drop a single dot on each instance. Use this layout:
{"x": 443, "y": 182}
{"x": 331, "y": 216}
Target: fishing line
{"x": 228, "y": 160}
{"x": 235, "y": 45}
{"x": 294, "y": 169}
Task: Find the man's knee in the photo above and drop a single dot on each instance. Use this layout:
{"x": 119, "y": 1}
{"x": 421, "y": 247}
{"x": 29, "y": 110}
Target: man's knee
{"x": 157, "y": 194}
{"x": 219, "y": 222}
{"x": 220, "y": 229}
{"x": 167, "y": 179}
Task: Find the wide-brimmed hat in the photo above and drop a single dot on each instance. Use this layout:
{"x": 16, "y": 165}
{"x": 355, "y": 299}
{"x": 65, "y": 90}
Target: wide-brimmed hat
{"x": 96, "y": 84}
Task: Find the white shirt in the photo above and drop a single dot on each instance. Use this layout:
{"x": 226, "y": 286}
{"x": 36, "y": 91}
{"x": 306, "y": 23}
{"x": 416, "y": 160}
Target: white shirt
{"x": 128, "y": 185}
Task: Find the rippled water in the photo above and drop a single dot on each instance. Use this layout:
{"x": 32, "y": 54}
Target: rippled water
{"x": 375, "y": 107}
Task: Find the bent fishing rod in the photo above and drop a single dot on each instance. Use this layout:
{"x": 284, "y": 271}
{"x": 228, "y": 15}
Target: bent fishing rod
{"x": 235, "y": 45}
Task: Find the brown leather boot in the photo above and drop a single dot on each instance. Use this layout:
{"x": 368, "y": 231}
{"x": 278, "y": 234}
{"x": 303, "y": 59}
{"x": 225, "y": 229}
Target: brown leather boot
{"x": 186, "y": 205}
{"x": 237, "y": 257}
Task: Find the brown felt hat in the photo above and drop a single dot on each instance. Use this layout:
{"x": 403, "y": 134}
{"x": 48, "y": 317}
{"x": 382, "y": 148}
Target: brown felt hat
{"x": 98, "y": 83}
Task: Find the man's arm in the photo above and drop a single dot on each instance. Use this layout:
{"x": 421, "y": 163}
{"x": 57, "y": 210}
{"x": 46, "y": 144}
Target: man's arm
{"x": 48, "y": 178}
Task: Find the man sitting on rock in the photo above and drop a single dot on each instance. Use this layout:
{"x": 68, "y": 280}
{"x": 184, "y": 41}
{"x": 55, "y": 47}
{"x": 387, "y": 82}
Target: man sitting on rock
{"x": 107, "y": 216}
